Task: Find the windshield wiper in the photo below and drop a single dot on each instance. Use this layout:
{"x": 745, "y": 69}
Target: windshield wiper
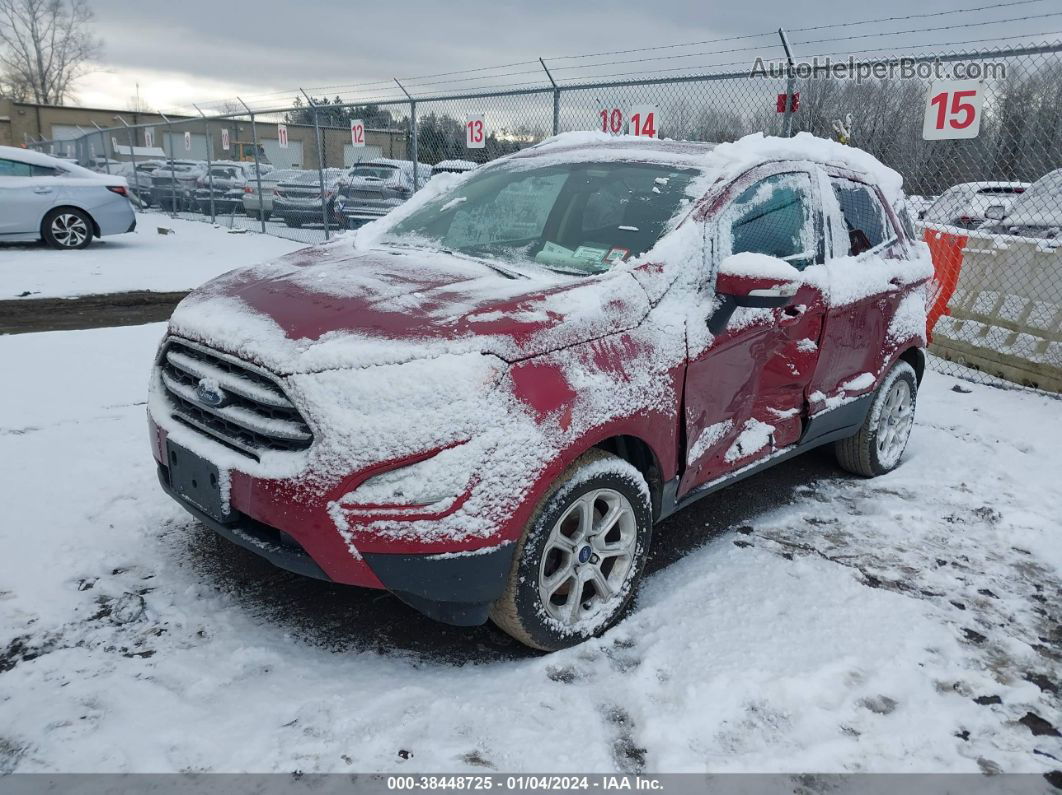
{"x": 508, "y": 274}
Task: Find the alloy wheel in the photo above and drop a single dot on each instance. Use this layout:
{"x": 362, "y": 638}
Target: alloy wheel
{"x": 69, "y": 230}
{"x": 588, "y": 557}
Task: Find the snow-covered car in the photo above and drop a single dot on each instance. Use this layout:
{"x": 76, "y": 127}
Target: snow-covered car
{"x": 373, "y": 189}
{"x": 225, "y": 182}
{"x": 484, "y": 402}
{"x": 1036, "y": 213}
{"x": 453, "y": 167}
{"x": 297, "y": 200}
{"x": 173, "y": 184}
{"x": 138, "y": 176}
{"x": 253, "y": 204}
{"x": 966, "y": 205}
{"x": 43, "y": 197}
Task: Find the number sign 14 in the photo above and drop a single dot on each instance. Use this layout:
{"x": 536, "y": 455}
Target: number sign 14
{"x": 357, "y": 132}
{"x": 475, "y": 137}
{"x": 953, "y": 110}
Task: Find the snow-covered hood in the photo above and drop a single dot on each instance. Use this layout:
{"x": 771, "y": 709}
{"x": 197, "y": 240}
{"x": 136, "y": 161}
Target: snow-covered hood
{"x": 334, "y": 307}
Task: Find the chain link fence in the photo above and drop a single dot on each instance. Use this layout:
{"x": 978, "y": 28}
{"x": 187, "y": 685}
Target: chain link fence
{"x": 990, "y": 206}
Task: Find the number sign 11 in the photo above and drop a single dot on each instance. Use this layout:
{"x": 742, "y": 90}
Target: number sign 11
{"x": 475, "y": 138}
{"x": 953, "y": 110}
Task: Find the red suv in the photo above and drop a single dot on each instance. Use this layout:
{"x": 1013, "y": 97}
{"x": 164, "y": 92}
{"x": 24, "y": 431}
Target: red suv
{"x": 485, "y": 402}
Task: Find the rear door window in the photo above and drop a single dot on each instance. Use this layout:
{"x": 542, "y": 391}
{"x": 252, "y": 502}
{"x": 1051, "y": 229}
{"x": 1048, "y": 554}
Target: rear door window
{"x": 774, "y": 216}
{"x": 864, "y": 216}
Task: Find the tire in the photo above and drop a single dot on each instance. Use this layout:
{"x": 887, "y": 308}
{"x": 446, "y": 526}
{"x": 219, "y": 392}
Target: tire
{"x": 528, "y": 610}
{"x": 67, "y": 228}
{"x": 293, "y": 223}
{"x": 879, "y": 445}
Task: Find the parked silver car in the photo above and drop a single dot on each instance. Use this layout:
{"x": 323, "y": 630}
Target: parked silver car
{"x": 226, "y": 180}
{"x": 43, "y": 197}
{"x": 253, "y": 204}
{"x": 298, "y": 201}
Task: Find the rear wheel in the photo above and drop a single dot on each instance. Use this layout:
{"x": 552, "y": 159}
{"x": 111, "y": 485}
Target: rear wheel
{"x": 578, "y": 562}
{"x": 67, "y": 228}
{"x": 878, "y": 446}
{"x": 293, "y": 222}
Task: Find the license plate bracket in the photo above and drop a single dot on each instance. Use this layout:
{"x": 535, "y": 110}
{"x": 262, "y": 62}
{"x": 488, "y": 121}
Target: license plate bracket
{"x": 197, "y": 481}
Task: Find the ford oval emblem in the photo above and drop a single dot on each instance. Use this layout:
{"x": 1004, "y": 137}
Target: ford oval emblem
{"x": 209, "y": 393}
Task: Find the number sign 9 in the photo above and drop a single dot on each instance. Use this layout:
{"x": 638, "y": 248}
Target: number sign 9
{"x": 953, "y": 110}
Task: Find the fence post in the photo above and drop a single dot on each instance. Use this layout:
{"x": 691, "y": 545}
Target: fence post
{"x": 103, "y": 143}
{"x": 210, "y": 170}
{"x": 173, "y": 174}
{"x": 413, "y": 132}
{"x": 257, "y": 166}
{"x": 132, "y": 156}
{"x": 320, "y": 160}
{"x": 790, "y": 84}
{"x": 556, "y": 97}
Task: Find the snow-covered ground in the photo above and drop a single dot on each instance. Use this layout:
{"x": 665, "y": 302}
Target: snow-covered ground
{"x": 141, "y": 260}
{"x": 907, "y": 623}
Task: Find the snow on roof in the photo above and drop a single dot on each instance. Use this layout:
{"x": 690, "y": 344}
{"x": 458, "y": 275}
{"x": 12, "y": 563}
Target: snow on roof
{"x": 455, "y": 164}
{"x": 70, "y": 169}
{"x": 717, "y": 161}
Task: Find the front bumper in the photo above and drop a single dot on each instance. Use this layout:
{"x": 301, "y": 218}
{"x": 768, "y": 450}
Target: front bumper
{"x": 452, "y": 587}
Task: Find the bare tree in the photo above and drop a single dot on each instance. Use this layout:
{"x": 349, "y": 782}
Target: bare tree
{"x": 45, "y": 45}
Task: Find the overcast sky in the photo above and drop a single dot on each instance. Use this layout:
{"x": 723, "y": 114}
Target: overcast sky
{"x": 199, "y": 50}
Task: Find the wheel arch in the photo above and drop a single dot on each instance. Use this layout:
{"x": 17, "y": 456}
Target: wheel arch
{"x": 639, "y": 454}
{"x": 916, "y": 357}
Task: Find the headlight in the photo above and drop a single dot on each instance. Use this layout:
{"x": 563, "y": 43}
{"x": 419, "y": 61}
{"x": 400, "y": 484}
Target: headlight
{"x": 441, "y": 478}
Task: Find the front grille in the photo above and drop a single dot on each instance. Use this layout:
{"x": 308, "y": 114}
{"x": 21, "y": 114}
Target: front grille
{"x": 255, "y": 416}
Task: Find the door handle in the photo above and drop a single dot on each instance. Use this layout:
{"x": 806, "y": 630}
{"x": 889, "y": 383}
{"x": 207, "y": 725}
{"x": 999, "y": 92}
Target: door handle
{"x": 42, "y": 189}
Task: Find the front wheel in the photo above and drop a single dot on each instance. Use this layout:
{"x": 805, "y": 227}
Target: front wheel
{"x": 580, "y": 557}
{"x": 880, "y": 442}
{"x": 67, "y": 228}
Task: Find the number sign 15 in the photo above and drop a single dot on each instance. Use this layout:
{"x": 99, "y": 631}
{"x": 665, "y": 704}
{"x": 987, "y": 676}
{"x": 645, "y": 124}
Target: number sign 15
{"x": 475, "y": 138}
{"x": 953, "y": 110}
{"x": 357, "y": 132}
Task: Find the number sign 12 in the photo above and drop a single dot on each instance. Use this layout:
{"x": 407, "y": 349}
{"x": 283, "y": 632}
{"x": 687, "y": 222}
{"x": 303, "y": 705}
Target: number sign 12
{"x": 475, "y": 138}
{"x": 357, "y": 132}
{"x": 953, "y": 110}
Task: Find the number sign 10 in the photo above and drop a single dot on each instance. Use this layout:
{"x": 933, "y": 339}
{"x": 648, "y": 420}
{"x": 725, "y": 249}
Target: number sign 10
{"x": 953, "y": 110}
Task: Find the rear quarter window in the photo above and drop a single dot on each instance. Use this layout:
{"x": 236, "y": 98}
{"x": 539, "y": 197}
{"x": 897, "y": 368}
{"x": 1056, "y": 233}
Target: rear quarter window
{"x": 864, "y": 216}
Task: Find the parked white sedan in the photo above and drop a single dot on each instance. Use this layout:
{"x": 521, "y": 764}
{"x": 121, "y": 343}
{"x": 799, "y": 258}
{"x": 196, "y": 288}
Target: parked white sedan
{"x": 43, "y": 197}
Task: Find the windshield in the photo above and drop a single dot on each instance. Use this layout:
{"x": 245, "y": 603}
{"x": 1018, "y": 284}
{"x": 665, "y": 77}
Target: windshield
{"x": 1040, "y": 204}
{"x": 573, "y": 217}
{"x": 378, "y": 172}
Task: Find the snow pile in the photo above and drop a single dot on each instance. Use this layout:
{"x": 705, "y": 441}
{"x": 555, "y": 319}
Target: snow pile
{"x": 141, "y": 260}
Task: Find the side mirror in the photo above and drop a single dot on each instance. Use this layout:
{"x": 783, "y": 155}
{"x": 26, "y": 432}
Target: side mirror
{"x": 995, "y": 212}
{"x": 757, "y": 281}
